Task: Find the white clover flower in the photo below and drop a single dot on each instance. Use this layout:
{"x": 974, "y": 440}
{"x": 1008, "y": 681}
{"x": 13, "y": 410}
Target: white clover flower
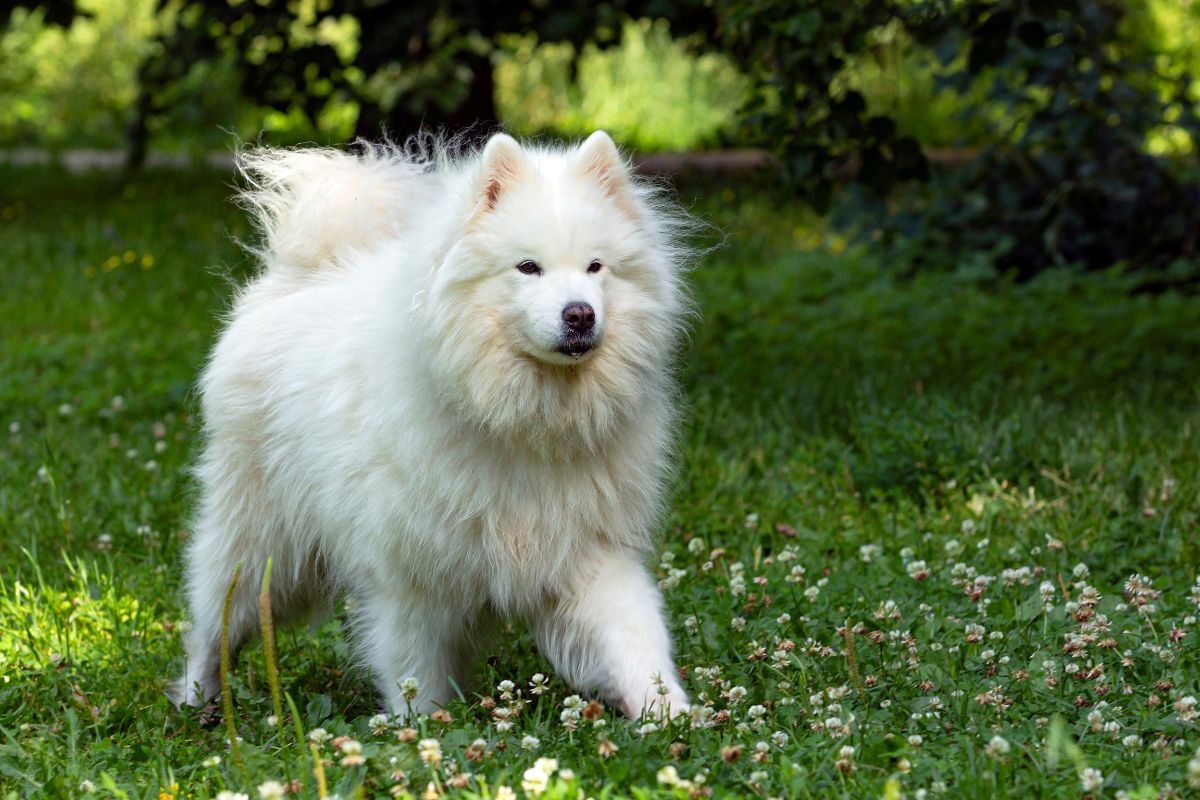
{"x": 647, "y": 729}
{"x": 530, "y": 742}
{"x": 915, "y": 740}
{"x": 409, "y": 688}
{"x": 534, "y": 781}
{"x": 351, "y": 753}
{"x": 997, "y": 748}
{"x": 319, "y": 736}
{"x": 695, "y": 546}
{"x": 674, "y": 576}
{"x": 1091, "y": 779}
{"x": 779, "y": 739}
{"x": 736, "y": 694}
{"x": 504, "y": 793}
{"x": 668, "y": 776}
{"x": 271, "y": 790}
{"x": 225, "y": 794}
{"x": 847, "y": 752}
{"x": 1185, "y": 707}
{"x": 737, "y": 623}
{"x": 505, "y": 687}
{"x": 538, "y": 684}
{"x": 547, "y": 765}
{"x": 953, "y": 548}
{"x": 378, "y": 724}
{"x": 759, "y": 776}
{"x": 812, "y": 593}
{"x": 1193, "y": 771}
{"x": 430, "y": 751}
{"x": 1132, "y": 742}
{"x": 869, "y": 552}
{"x": 211, "y": 762}
{"x": 85, "y": 785}
{"x": 917, "y": 570}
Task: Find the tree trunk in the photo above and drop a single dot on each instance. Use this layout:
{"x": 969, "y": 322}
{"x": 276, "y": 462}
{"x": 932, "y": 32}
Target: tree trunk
{"x": 137, "y": 132}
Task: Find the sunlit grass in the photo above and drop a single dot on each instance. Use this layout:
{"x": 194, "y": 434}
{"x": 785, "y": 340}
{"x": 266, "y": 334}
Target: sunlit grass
{"x": 649, "y": 90}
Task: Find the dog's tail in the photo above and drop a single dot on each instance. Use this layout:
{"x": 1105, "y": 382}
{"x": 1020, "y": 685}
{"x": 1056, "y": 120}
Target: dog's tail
{"x": 312, "y": 205}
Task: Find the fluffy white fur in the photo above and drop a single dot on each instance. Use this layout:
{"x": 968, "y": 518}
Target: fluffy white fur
{"x": 386, "y": 414}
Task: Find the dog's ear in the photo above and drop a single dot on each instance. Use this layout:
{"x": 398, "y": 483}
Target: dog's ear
{"x": 500, "y": 165}
{"x": 599, "y": 159}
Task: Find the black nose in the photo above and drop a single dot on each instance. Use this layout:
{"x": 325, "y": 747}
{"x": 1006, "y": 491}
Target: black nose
{"x": 580, "y": 317}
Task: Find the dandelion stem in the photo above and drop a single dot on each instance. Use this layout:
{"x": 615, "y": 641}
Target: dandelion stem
{"x": 226, "y": 690}
{"x": 299, "y": 732}
{"x": 319, "y": 772}
{"x": 268, "y": 636}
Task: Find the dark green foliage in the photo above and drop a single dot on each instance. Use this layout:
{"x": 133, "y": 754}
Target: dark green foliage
{"x": 1072, "y": 182}
{"x": 797, "y": 52}
{"x": 1070, "y": 178}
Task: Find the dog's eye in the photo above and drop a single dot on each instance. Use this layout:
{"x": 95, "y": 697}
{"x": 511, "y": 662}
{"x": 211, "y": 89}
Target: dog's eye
{"x": 595, "y": 266}
{"x": 529, "y": 268}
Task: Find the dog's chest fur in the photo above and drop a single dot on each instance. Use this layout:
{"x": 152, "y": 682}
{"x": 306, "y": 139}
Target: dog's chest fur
{"x": 510, "y": 526}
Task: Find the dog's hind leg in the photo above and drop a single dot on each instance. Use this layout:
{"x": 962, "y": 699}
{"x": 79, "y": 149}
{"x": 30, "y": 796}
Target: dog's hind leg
{"x": 213, "y": 557}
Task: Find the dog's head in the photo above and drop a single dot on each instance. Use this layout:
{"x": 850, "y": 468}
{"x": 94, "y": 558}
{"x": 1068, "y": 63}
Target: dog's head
{"x": 561, "y": 292}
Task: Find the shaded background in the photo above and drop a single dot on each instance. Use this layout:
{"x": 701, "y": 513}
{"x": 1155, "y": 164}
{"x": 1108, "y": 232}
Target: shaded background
{"x": 1070, "y": 125}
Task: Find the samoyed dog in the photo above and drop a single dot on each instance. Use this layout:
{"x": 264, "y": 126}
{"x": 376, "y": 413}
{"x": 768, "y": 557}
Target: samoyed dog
{"x": 448, "y": 394}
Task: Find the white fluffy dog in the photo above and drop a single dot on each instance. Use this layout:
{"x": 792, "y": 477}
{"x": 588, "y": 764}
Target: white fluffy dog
{"x": 449, "y": 394}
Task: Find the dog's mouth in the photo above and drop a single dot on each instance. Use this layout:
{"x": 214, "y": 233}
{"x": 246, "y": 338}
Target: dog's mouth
{"x": 576, "y": 346}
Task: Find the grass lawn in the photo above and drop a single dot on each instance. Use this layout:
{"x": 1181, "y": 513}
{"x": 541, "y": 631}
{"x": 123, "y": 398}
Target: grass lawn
{"x": 929, "y": 537}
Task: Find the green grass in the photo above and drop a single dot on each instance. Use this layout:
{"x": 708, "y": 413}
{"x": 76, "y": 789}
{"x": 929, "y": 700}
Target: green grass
{"x": 839, "y": 420}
